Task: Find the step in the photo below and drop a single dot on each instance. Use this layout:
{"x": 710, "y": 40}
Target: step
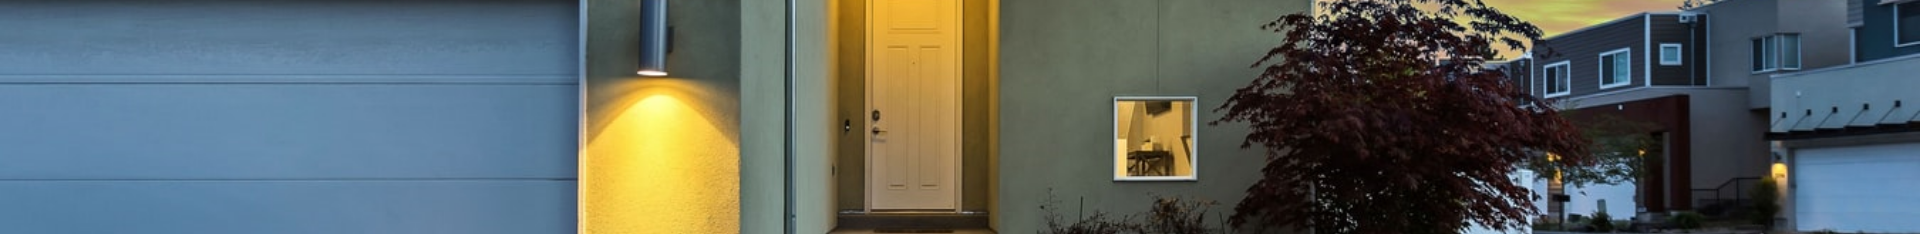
{"x": 947, "y": 220}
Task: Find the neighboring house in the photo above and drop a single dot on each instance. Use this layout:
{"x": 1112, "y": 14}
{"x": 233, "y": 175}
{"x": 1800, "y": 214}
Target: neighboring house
{"x": 1688, "y": 74}
{"x": 1844, "y": 137}
{"x": 529, "y": 116}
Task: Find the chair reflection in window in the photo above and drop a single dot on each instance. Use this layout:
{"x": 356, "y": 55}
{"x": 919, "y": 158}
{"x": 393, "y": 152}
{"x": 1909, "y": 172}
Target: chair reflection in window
{"x": 1153, "y": 138}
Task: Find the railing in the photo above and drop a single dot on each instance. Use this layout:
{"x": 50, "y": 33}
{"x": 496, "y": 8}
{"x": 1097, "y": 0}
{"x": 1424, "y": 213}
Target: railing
{"x": 1739, "y": 193}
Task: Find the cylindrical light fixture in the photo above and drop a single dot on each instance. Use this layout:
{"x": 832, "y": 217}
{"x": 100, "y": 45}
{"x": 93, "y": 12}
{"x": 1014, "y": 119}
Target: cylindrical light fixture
{"x": 653, "y": 38}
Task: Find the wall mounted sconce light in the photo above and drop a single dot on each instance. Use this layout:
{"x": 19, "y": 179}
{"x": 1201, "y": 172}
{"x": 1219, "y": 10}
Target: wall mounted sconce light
{"x": 653, "y": 38}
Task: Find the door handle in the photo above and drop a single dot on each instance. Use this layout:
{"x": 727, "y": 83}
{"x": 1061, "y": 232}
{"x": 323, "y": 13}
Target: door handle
{"x": 877, "y": 130}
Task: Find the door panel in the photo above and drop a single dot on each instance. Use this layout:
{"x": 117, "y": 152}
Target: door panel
{"x": 912, "y": 92}
{"x": 1857, "y": 188}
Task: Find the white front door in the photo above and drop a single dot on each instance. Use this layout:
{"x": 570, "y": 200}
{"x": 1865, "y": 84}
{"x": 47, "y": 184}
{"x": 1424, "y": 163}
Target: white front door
{"x": 913, "y": 104}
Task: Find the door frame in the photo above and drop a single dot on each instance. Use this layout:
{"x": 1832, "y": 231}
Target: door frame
{"x": 959, "y": 43}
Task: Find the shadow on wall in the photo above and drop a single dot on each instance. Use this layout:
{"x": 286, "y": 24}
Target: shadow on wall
{"x": 660, "y": 163}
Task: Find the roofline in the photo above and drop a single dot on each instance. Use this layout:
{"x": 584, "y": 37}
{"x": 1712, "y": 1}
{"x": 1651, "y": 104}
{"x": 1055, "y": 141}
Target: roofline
{"x": 1615, "y": 21}
{"x": 1715, "y": 3}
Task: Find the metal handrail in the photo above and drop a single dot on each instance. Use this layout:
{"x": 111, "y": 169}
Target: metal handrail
{"x": 1738, "y": 197}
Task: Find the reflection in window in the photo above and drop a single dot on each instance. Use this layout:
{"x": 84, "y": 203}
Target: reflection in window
{"x": 1153, "y": 138}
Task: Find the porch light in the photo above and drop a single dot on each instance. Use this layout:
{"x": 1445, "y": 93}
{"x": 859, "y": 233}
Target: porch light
{"x": 653, "y": 38}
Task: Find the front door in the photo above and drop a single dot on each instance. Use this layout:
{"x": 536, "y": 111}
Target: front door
{"x": 913, "y": 104}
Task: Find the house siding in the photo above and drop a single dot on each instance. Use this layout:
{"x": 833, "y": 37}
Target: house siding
{"x": 1875, "y": 39}
{"x": 1582, "y": 50}
{"x": 1666, "y": 28}
{"x": 1059, "y": 74}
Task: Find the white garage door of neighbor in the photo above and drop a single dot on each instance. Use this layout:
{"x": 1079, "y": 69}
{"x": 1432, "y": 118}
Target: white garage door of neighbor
{"x": 288, "y": 116}
{"x": 1872, "y": 188}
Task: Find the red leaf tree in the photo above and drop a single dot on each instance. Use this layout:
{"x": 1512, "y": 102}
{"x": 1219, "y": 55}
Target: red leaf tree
{"x": 1377, "y": 116}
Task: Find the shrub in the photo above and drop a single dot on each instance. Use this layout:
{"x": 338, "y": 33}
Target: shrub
{"x": 1766, "y": 197}
{"x": 1686, "y": 220}
{"x": 1600, "y": 222}
{"x": 1169, "y": 215}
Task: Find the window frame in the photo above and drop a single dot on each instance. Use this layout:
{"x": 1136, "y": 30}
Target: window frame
{"x": 1773, "y": 56}
{"x": 1896, "y": 26}
{"x": 1767, "y": 57}
{"x": 1679, "y": 54}
{"x": 1193, "y": 164}
{"x": 1564, "y": 79}
{"x": 1603, "y": 69}
{"x": 1780, "y": 43}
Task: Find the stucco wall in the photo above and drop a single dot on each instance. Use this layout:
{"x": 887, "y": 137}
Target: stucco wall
{"x": 1063, "y": 61}
{"x": 1821, "y": 25}
{"x": 662, "y": 153}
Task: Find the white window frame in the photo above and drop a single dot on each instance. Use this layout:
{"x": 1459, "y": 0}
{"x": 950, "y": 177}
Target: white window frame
{"x": 1770, "y": 49}
{"x": 1896, "y": 26}
{"x": 1193, "y": 164}
{"x": 1603, "y": 69}
{"x": 1678, "y": 54}
{"x": 1565, "y": 76}
{"x": 1799, "y": 54}
{"x": 1773, "y": 57}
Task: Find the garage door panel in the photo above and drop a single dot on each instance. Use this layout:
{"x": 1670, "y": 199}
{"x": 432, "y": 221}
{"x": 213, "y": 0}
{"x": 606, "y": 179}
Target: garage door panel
{"x": 351, "y": 130}
{"x": 1859, "y": 188}
{"x": 317, "y": 206}
{"x": 289, "y": 37}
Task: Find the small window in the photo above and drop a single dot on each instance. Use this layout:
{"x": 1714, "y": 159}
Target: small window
{"x": 1669, "y": 54}
{"x": 1616, "y": 68}
{"x": 1154, "y": 139}
{"x": 1556, "y": 79}
{"x": 1763, "y": 54}
{"x": 1790, "y": 51}
{"x": 1776, "y": 52}
{"x": 1906, "y": 24}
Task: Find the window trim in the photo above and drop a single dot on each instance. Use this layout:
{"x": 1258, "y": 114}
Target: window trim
{"x": 1603, "y": 69}
{"x": 1799, "y": 54}
{"x": 1896, "y": 27}
{"x": 1193, "y": 164}
{"x": 1678, "y": 54}
{"x": 1565, "y": 76}
{"x": 1767, "y": 44}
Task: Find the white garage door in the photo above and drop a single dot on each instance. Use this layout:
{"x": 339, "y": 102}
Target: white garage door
{"x": 1859, "y": 188}
{"x": 288, "y": 116}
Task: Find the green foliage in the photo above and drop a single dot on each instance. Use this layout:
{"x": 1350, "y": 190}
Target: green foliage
{"x": 1601, "y": 222}
{"x": 1687, "y": 220}
{"x": 1621, "y": 151}
{"x": 1766, "y": 197}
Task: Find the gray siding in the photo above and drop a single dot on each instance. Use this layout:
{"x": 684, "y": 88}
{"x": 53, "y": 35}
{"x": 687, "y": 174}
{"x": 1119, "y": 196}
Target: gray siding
{"x": 213, "y": 116}
{"x": 1875, "y": 38}
{"x": 1582, "y": 50}
{"x": 1666, "y": 28}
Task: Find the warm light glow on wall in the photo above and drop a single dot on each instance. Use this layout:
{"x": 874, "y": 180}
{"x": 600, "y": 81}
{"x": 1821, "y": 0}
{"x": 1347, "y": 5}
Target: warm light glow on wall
{"x": 662, "y": 164}
{"x": 1779, "y": 171}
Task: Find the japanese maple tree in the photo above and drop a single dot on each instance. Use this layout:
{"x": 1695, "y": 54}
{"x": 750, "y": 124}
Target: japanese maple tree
{"x": 1377, "y": 116}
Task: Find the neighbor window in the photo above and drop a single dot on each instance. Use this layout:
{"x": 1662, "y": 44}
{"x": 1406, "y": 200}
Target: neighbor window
{"x": 1556, "y": 79}
{"x": 1906, "y": 24}
{"x": 1669, "y": 54}
{"x": 1616, "y": 68}
{"x": 1776, "y": 52}
{"x": 1153, "y": 138}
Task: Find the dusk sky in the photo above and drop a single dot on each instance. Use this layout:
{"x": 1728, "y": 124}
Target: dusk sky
{"x": 1558, "y": 16}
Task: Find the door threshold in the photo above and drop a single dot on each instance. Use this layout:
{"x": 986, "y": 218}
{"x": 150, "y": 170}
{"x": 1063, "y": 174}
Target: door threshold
{"x": 913, "y": 212}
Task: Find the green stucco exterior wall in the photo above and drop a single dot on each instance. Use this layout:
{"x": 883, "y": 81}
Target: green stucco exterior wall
{"x": 1063, "y": 61}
